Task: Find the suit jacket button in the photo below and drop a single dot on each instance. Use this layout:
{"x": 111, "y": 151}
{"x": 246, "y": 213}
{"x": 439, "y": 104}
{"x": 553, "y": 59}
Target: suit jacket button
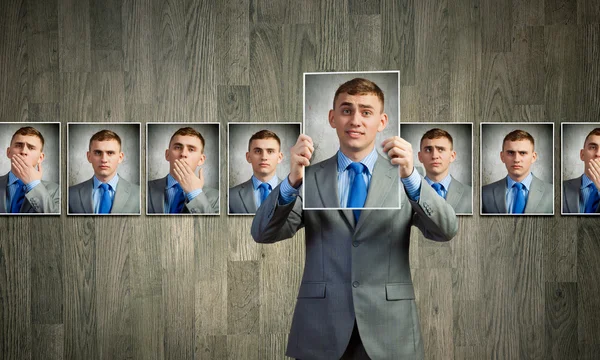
{"x": 355, "y": 284}
{"x": 356, "y": 243}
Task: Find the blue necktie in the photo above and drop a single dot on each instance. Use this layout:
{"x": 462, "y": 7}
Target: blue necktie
{"x": 592, "y": 204}
{"x": 18, "y": 197}
{"x": 265, "y": 190}
{"x": 358, "y": 190}
{"x": 178, "y": 200}
{"x": 519, "y": 201}
{"x": 105, "y": 201}
{"x": 438, "y": 188}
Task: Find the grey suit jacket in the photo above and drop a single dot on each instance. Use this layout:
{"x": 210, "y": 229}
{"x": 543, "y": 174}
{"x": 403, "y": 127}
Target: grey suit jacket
{"x": 42, "y": 199}
{"x": 356, "y": 271}
{"x": 205, "y": 203}
{"x": 241, "y": 198}
{"x": 460, "y": 197}
{"x": 539, "y": 201}
{"x": 571, "y": 196}
{"x": 126, "y": 201}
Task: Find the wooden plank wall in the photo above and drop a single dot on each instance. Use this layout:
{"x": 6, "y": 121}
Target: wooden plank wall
{"x": 199, "y": 287}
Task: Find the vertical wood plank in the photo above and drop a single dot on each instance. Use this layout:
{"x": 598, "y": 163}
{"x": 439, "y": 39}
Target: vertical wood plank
{"x": 48, "y": 342}
{"x": 398, "y": 38}
{"x": 243, "y": 297}
{"x": 332, "y": 36}
{"x": 74, "y": 37}
{"x": 233, "y": 37}
{"x": 265, "y": 73}
{"x": 365, "y": 45}
{"x": 561, "y": 320}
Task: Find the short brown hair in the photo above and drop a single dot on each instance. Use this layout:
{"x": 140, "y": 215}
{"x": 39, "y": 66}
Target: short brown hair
{"x": 188, "y": 131}
{"x": 437, "y": 133}
{"x": 105, "y": 135}
{"x": 359, "y": 86}
{"x": 596, "y": 132}
{"x": 518, "y": 135}
{"x": 264, "y": 134}
{"x": 28, "y": 131}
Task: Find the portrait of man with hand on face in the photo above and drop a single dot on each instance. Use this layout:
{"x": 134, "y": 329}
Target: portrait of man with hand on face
{"x": 183, "y": 190}
{"x": 356, "y": 260}
{"x": 581, "y": 195}
{"x": 23, "y": 189}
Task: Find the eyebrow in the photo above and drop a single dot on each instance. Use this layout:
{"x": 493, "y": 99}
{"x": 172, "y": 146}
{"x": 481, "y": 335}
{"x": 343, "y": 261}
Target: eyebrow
{"x": 592, "y": 143}
{"x": 24, "y": 143}
{"x": 365, "y": 106}
{"x": 259, "y": 148}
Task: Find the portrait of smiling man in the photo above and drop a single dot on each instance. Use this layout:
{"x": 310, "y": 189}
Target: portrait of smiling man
{"x": 106, "y": 192}
{"x": 23, "y": 189}
{"x": 183, "y": 190}
{"x": 520, "y": 191}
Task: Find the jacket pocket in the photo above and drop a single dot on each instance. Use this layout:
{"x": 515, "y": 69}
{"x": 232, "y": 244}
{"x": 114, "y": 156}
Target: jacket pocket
{"x": 399, "y": 291}
{"x": 312, "y": 290}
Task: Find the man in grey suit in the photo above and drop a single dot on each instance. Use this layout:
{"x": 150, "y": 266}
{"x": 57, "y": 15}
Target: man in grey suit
{"x": 520, "y": 192}
{"x": 356, "y": 299}
{"x": 182, "y": 191}
{"x": 22, "y": 189}
{"x": 580, "y": 195}
{"x": 264, "y": 154}
{"x": 436, "y": 155}
{"x": 106, "y": 192}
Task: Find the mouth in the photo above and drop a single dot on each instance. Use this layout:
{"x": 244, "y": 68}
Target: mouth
{"x": 104, "y": 167}
{"x": 263, "y": 165}
{"x": 354, "y": 134}
{"x": 516, "y": 167}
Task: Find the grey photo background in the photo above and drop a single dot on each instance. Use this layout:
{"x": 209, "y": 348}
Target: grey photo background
{"x": 239, "y": 134}
{"x": 79, "y": 135}
{"x": 493, "y": 169}
{"x": 152, "y": 288}
{"x": 319, "y": 90}
{"x": 158, "y": 136}
{"x": 50, "y": 132}
{"x": 462, "y": 167}
{"x": 573, "y": 137}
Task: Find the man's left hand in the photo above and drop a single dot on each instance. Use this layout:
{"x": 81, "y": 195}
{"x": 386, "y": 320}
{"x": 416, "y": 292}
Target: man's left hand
{"x": 186, "y": 177}
{"x": 27, "y": 173}
{"x": 401, "y": 154}
{"x": 594, "y": 172}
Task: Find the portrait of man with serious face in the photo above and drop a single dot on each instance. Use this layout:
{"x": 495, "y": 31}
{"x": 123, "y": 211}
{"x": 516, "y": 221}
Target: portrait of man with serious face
{"x": 356, "y": 259}
{"x": 22, "y": 189}
{"x": 580, "y": 195}
{"x": 182, "y": 190}
{"x": 520, "y": 192}
{"x": 106, "y": 192}
{"x": 264, "y": 154}
{"x": 437, "y": 154}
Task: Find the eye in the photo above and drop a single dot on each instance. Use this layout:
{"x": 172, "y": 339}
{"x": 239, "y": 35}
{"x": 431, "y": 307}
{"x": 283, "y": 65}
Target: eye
{"x": 192, "y": 149}
{"x": 346, "y": 111}
{"x": 366, "y": 113}
{"x": 271, "y": 151}
{"x": 96, "y": 152}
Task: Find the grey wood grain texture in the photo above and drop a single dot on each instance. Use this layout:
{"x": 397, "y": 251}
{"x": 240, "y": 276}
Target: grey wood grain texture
{"x": 199, "y": 287}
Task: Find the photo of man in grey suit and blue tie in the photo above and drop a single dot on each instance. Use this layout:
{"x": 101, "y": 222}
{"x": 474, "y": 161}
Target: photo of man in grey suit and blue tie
{"x": 436, "y": 154}
{"x": 581, "y": 195}
{"x": 356, "y": 299}
{"x": 181, "y": 191}
{"x": 520, "y": 192}
{"x": 22, "y": 189}
{"x": 106, "y": 192}
{"x": 264, "y": 154}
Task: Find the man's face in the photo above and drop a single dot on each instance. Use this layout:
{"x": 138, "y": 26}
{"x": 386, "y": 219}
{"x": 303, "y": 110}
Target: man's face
{"x": 518, "y": 156}
{"x": 264, "y": 155}
{"x": 591, "y": 150}
{"x": 105, "y": 157}
{"x": 187, "y": 148}
{"x": 436, "y": 156}
{"x": 357, "y": 119}
{"x": 28, "y": 146}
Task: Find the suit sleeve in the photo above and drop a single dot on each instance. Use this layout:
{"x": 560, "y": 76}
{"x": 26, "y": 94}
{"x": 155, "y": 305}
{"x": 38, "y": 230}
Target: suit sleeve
{"x": 274, "y": 222}
{"x": 433, "y": 215}
{"x": 207, "y": 202}
{"x": 44, "y": 198}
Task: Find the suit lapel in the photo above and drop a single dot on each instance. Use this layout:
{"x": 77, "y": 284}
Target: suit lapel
{"x": 455, "y": 193}
{"x": 85, "y": 197}
{"x": 121, "y": 196}
{"x": 246, "y": 195}
{"x": 3, "y": 192}
{"x": 572, "y": 195}
{"x": 536, "y": 193}
{"x": 326, "y": 183}
{"x": 157, "y": 195}
{"x": 384, "y": 177}
{"x": 500, "y": 196}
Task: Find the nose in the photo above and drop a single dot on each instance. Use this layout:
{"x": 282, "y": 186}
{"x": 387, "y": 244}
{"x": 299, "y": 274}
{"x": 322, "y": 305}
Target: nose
{"x": 356, "y": 119}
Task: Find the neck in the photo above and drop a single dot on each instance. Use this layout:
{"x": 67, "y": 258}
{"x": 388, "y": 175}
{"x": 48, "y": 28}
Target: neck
{"x": 105, "y": 179}
{"x": 520, "y": 178}
{"x": 264, "y": 178}
{"x": 357, "y": 156}
{"x": 437, "y": 178}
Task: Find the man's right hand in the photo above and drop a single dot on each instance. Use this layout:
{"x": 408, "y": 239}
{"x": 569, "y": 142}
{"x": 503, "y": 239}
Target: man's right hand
{"x": 594, "y": 172}
{"x": 300, "y": 157}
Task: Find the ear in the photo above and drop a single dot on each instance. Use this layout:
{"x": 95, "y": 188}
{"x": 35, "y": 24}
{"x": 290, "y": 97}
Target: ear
{"x": 42, "y": 156}
{"x": 279, "y": 157}
{"x": 248, "y": 157}
{"x": 383, "y": 121}
{"x": 452, "y": 156}
{"x": 419, "y": 157}
{"x": 8, "y": 152}
{"x": 121, "y": 156}
{"x": 167, "y": 154}
{"x": 201, "y": 160}
{"x": 88, "y": 155}
{"x": 580, "y": 154}
{"x": 533, "y": 157}
{"x": 502, "y": 157}
{"x": 331, "y": 118}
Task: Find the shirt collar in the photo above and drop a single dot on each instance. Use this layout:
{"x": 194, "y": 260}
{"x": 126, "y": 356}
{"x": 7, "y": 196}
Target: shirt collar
{"x": 12, "y": 178}
{"x": 585, "y": 181}
{"x": 171, "y": 182}
{"x": 445, "y": 181}
{"x": 256, "y": 183}
{"x": 369, "y": 161}
{"x": 112, "y": 182}
{"x": 526, "y": 182}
